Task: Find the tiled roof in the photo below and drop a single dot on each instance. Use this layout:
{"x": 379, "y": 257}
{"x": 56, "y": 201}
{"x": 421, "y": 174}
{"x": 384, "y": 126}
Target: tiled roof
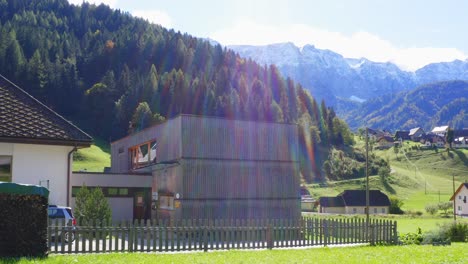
{"x": 24, "y": 119}
{"x": 358, "y": 198}
{"x": 331, "y": 201}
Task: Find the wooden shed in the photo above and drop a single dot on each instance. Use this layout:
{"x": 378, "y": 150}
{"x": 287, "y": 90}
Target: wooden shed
{"x": 206, "y": 167}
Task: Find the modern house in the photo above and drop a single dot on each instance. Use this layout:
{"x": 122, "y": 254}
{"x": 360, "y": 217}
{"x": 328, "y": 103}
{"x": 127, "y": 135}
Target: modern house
{"x": 36, "y": 143}
{"x": 416, "y": 133}
{"x": 460, "y": 198}
{"x": 354, "y": 202}
{"x": 207, "y": 167}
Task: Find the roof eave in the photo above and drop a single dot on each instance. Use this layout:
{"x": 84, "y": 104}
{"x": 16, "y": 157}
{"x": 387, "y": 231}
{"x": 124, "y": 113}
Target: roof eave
{"x": 43, "y": 141}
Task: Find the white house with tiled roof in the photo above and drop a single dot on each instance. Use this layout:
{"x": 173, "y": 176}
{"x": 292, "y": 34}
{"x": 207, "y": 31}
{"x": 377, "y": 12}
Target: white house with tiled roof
{"x": 460, "y": 198}
{"x": 36, "y": 143}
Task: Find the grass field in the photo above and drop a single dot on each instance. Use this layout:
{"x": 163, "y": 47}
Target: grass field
{"x": 92, "y": 159}
{"x": 456, "y": 253}
{"x": 419, "y": 177}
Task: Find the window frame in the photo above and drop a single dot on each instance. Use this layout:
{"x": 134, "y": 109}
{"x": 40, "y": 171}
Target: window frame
{"x": 135, "y": 151}
{"x": 10, "y": 177}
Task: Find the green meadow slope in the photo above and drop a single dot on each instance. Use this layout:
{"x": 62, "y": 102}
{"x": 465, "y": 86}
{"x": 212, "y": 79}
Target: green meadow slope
{"x": 418, "y": 176}
{"x": 92, "y": 159}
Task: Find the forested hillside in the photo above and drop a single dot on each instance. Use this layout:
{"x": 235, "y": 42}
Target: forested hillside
{"x": 114, "y": 74}
{"x": 443, "y": 103}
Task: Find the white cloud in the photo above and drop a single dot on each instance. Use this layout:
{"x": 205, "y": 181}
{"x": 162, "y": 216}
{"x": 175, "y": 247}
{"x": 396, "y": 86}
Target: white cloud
{"x": 154, "y": 16}
{"x": 357, "y": 45}
{"x": 111, "y": 3}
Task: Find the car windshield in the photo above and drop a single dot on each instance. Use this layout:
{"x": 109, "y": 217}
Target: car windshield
{"x": 69, "y": 212}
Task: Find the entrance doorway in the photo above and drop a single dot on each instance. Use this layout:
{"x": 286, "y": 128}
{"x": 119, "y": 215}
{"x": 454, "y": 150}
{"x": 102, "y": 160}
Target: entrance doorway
{"x": 139, "y": 206}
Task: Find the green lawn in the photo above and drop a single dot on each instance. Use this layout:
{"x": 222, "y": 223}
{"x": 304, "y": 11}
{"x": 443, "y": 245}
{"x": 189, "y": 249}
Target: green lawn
{"x": 456, "y": 253}
{"x": 405, "y": 223}
{"x": 92, "y": 159}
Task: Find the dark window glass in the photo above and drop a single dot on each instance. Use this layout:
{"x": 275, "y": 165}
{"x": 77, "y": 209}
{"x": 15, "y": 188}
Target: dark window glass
{"x": 5, "y": 168}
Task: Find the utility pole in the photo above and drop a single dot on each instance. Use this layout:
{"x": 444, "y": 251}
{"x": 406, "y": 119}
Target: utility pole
{"x": 367, "y": 177}
{"x": 454, "y": 198}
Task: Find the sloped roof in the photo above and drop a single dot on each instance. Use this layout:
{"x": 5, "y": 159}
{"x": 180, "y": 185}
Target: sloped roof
{"x": 358, "y": 198}
{"x": 23, "y": 119}
{"x": 402, "y": 134}
{"x": 458, "y": 190}
{"x": 414, "y": 130}
{"x": 460, "y": 132}
{"x": 386, "y": 138}
{"x": 336, "y": 201}
{"x": 440, "y": 129}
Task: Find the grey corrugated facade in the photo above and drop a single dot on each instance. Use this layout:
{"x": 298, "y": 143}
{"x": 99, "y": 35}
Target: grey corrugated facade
{"x": 221, "y": 168}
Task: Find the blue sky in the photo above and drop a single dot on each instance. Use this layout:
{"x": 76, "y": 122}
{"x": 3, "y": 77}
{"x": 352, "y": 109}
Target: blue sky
{"x": 408, "y": 33}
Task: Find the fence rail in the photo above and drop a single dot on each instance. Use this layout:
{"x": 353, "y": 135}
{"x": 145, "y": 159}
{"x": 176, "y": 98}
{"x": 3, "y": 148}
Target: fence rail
{"x": 204, "y": 235}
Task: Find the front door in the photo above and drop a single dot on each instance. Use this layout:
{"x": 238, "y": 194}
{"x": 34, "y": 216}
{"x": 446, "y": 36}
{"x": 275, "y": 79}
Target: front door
{"x": 139, "y": 206}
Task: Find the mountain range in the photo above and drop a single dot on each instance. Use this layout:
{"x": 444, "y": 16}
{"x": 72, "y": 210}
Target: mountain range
{"x": 345, "y": 83}
{"x": 435, "y": 104}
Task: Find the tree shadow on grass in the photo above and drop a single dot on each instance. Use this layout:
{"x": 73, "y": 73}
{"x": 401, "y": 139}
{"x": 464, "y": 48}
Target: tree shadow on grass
{"x": 388, "y": 187}
{"x": 462, "y": 156}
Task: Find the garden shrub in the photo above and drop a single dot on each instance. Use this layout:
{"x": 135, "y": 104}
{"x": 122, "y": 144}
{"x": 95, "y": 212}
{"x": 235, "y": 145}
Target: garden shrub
{"x": 395, "y": 205}
{"x": 435, "y": 237}
{"x": 457, "y": 232}
{"x": 412, "y": 238}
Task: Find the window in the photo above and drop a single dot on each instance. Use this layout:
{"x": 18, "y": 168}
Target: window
{"x": 123, "y": 191}
{"x": 459, "y": 197}
{"x": 143, "y": 155}
{"x": 5, "y": 168}
{"x": 459, "y": 208}
{"x": 112, "y": 191}
{"x": 354, "y": 210}
{"x": 375, "y": 210}
{"x": 383, "y": 210}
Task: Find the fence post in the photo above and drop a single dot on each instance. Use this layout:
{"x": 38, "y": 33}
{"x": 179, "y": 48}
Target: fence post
{"x": 325, "y": 232}
{"x": 269, "y": 237}
{"x": 395, "y": 233}
{"x": 372, "y": 234}
{"x": 205, "y": 237}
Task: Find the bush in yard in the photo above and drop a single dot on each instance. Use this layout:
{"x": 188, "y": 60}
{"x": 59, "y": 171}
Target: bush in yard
{"x": 432, "y": 208}
{"x": 91, "y": 205}
{"x": 412, "y": 238}
{"x": 395, "y": 205}
{"x": 456, "y": 231}
{"x": 436, "y": 237}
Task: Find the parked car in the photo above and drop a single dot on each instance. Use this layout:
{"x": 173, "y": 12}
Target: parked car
{"x": 64, "y": 215}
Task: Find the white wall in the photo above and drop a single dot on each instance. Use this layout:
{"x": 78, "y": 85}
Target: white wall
{"x": 459, "y": 201}
{"x": 362, "y": 209}
{"x": 33, "y": 163}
